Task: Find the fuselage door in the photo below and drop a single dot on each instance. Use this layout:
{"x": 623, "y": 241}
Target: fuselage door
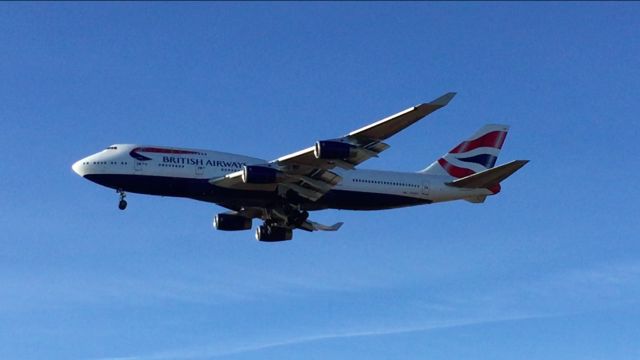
{"x": 199, "y": 170}
{"x": 137, "y": 165}
{"x": 425, "y": 187}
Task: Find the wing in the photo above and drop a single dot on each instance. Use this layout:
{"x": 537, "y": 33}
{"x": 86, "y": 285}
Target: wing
{"x": 365, "y": 142}
{"x": 308, "y": 172}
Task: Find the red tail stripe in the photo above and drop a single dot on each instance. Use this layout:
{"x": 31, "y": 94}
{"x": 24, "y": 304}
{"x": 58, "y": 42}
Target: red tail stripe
{"x": 494, "y": 139}
{"x": 453, "y": 170}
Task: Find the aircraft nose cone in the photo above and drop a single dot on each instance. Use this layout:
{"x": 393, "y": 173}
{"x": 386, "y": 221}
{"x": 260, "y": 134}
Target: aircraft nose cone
{"x": 77, "y": 167}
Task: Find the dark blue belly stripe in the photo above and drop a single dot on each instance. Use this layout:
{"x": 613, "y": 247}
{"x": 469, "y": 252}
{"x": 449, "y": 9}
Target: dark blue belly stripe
{"x": 200, "y": 189}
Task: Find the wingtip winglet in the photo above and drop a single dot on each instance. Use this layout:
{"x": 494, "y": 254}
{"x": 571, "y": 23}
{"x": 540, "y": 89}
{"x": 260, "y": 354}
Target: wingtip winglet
{"x": 444, "y": 99}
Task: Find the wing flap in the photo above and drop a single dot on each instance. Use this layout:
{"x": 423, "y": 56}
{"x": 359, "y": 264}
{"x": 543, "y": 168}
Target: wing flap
{"x": 305, "y": 192}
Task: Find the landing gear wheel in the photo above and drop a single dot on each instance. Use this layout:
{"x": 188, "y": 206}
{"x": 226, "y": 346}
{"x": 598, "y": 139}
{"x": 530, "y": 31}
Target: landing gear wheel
{"x": 262, "y": 232}
{"x": 123, "y": 203}
{"x": 270, "y": 233}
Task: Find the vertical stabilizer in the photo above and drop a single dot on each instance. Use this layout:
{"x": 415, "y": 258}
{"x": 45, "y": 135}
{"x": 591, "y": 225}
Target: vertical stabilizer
{"x": 476, "y": 154}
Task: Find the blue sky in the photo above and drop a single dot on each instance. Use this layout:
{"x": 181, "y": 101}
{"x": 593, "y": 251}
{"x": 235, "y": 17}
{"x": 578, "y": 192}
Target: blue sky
{"x": 548, "y": 269}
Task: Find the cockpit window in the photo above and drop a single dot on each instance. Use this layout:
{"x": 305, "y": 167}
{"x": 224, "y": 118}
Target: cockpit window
{"x": 112, "y": 148}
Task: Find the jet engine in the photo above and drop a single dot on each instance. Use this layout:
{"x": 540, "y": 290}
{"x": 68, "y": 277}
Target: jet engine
{"x": 329, "y": 149}
{"x": 230, "y": 222}
{"x": 256, "y": 174}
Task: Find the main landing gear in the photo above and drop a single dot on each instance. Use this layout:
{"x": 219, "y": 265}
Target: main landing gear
{"x": 271, "y": 233}
{"x": 123, "y": 203}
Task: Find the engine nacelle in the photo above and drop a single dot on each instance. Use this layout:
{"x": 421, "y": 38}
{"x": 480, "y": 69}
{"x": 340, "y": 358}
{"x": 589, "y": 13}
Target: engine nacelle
{"x": 329, "y": 149}
{"x": 230, "y": 222}
{"x": 273, "y": 233}
{"x": 256, "y": 174}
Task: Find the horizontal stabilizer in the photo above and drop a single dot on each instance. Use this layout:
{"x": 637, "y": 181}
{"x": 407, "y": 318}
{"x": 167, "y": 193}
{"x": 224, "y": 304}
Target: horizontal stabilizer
{"x": 490, "y": 177}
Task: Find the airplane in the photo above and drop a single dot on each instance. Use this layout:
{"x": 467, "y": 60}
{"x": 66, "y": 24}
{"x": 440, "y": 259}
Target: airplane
{"x": 281, "y": 192}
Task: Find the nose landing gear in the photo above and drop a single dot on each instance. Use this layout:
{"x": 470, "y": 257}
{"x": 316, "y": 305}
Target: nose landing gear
{"x": 123, "y": 203}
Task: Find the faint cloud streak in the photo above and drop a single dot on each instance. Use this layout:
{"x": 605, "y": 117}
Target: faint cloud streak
{"x": 217, "y": 351}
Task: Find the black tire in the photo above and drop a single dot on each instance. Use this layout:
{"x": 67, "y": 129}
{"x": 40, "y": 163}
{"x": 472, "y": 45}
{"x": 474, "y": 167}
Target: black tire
{"x": 262, "y": 232}
{"x": 122, "y": 205}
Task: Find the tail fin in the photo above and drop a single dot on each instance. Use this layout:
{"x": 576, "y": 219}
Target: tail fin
{"x": 474, "y": 155}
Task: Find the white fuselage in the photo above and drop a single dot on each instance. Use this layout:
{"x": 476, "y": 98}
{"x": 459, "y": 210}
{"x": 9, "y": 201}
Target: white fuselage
{"x": 185, "y": 173}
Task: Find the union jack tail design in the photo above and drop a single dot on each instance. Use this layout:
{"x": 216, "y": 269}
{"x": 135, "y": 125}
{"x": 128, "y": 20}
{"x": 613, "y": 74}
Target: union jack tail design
{"x": 474, "y": 155}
